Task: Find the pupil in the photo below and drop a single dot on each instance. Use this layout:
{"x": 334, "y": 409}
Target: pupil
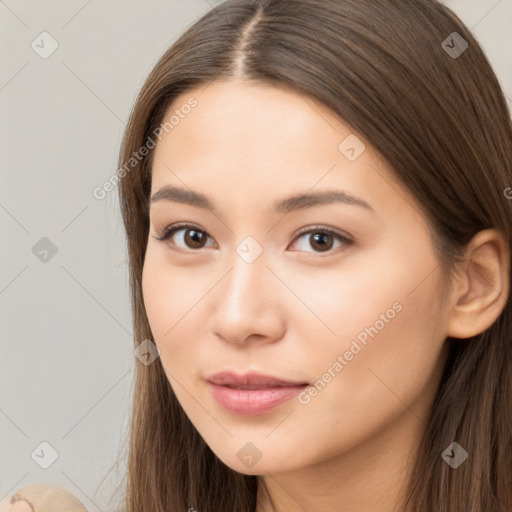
{"x": 321, "y": 238}
{"x": 195, "y": 238}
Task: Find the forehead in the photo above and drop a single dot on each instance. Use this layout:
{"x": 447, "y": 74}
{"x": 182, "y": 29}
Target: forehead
{"x": 252, "y": 118}
{"x": 247, "y": 143}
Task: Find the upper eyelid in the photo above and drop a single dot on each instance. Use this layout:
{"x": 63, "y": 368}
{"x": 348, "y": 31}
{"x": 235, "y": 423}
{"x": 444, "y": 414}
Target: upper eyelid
{"x": 303, "y": 231}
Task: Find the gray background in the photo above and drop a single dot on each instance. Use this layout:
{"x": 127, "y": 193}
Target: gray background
{"x": 66, "y": 349}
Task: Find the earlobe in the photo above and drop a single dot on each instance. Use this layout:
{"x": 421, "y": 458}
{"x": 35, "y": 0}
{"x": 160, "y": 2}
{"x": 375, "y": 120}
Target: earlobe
{"x": 482, "y": 285}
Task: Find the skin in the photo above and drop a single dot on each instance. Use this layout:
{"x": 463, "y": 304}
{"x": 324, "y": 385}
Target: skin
{"x": 295, "y": 309}
{"x": 18, "y": 506}
{"x": 40, "y": 497}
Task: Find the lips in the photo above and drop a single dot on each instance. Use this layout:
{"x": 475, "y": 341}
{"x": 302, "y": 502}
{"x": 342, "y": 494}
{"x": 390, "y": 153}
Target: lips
{"x": 251, "y": 381}
{"x": 252, "y": 394}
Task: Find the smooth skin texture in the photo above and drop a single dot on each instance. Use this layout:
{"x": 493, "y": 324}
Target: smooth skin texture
{"x": 296, "y": 308}
{"x": 42, "y": 498}
{"x": 19, "y": 506}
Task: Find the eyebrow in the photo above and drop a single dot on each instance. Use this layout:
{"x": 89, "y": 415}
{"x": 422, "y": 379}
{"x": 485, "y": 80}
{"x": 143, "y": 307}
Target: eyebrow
{"x": 289, "y": 204}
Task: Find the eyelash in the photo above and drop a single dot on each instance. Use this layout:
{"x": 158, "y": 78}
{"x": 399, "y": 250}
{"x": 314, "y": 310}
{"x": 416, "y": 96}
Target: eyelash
{"x": 171, "y": 230}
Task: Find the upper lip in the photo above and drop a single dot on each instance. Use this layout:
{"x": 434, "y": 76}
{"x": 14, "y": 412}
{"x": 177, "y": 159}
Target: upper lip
{"x": 250, "y": 380}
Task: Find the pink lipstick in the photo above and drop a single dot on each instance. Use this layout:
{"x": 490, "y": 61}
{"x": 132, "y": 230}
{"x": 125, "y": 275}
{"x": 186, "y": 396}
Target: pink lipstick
{"x": 252, "y": 394}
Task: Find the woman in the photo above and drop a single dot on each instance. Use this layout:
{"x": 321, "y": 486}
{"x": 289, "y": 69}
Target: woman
{"x": 317, "y": 203}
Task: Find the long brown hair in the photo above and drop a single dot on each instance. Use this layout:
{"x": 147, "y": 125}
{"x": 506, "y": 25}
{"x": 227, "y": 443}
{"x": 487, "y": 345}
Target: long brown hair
{"x": 395, "y": 71}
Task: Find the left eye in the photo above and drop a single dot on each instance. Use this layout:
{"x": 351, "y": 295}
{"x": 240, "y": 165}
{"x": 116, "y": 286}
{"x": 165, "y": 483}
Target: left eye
{"x": 193, "y": 238}
{"x": 323, "y": 238}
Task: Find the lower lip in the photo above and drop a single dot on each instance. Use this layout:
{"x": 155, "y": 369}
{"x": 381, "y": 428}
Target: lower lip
{"x": 252, "y": 402}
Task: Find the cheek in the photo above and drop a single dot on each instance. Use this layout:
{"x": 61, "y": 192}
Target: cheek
{"x": 168, "y": 293}
{"x": 377, "y": 370}
{"x": 382, "y": 333}
{"x": 173, "y": 298}
{"x": 156, "y": 300}
{"x": 386, "y": 357}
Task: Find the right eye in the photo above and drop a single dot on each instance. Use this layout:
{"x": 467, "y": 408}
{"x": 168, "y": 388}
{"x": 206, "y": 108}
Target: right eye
{"x": 192, "y": 237}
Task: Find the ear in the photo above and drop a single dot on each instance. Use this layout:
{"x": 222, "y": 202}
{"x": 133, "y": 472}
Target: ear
{"x": 482, "y": 285}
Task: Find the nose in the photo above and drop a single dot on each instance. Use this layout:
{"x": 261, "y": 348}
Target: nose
{"x": 248, "y": 305}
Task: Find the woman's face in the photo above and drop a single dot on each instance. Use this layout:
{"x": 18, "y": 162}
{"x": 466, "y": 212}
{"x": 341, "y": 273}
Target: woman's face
{"x": 248, "y": 286}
